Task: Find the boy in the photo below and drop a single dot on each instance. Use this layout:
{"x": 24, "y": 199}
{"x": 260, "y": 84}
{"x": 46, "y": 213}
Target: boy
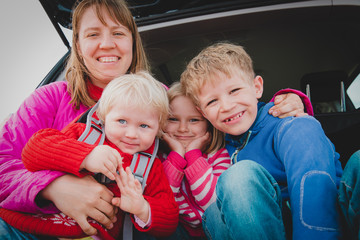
{"x": 276, "y": 162}
{"x": 133, "y": 109}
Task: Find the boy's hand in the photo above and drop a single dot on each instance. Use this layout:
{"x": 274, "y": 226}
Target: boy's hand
{"x": 103, "y": 159}
{"x": 174, "y": 144}
{"x": 199, "y": 143}
{"x": 131, "y": 199}
{"x": 288, "y": 104}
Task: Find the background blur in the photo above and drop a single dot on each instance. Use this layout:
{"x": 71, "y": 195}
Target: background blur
{"x": 29, "y": 48}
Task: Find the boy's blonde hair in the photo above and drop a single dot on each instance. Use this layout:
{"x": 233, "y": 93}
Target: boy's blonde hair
{"x": 139, "y": 89}
{"x": 219, "y": 58}
{"x": 217, "y": 137}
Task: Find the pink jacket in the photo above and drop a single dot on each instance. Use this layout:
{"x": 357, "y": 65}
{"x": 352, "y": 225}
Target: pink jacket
{"x": 47, "y": 107}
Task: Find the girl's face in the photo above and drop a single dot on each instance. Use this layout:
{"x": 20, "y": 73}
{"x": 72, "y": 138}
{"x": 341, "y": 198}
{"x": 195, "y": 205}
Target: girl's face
{"x": 106, "y": 50}
{"x": 185, "y": 123}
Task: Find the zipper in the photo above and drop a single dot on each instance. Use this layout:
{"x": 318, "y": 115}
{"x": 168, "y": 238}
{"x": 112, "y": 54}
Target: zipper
{"x": 233, "y": 157}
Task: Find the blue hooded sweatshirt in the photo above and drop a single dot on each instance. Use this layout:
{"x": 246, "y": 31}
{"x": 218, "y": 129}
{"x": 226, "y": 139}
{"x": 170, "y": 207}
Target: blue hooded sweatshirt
{"x": 303, "y": 161}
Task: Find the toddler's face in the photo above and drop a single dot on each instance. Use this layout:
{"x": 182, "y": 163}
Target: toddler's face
{"x": 131, "y": 128}
{"x": 231, "y": 103}
{"x": 185, "y": 123}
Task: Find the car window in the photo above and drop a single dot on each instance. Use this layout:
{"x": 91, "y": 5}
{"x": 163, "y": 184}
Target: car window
{"x": 30, "y": 47}
{"x": 353, "y": 92}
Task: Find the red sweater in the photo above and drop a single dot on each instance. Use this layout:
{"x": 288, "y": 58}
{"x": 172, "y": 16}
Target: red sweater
{"x": 60, "y": 150}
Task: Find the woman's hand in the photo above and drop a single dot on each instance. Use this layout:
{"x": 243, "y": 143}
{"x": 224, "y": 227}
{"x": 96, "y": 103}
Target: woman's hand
{"x": 80, "y": 198}
{"x": 103, "y": 159}
{"x": 132, "y": 199}
{"x": 288, "y": 104}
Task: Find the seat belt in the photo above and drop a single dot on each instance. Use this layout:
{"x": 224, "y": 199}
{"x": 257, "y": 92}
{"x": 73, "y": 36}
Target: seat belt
{"x": 94, "y": 133}
{"x": 140, "y": 166}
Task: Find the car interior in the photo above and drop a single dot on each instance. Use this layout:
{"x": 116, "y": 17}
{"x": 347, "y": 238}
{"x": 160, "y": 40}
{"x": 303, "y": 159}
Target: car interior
{"x": 312, "y": 49}
{"x": 312, "y": 46}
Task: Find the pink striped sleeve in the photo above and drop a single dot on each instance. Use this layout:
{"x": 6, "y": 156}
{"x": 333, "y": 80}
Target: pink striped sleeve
{"x": 174, "y": 174}
{"x": 203, "y": 175}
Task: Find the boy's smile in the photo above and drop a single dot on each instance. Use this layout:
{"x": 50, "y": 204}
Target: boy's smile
{"x": 230, "y": 103}
{"x": 237, "y": 116}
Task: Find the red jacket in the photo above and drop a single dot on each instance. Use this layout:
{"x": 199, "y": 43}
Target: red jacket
{"x": 64, "y": 153}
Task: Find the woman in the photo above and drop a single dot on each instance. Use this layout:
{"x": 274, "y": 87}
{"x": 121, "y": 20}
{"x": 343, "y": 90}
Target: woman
{"x": 106, "y": 44}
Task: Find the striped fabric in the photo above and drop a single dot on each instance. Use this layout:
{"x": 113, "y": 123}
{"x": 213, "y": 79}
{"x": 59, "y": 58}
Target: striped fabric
{"x": 194, "y": 186}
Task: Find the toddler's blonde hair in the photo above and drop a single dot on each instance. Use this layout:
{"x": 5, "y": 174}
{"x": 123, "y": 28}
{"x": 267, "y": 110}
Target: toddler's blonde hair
{"x": 137, "y": 89}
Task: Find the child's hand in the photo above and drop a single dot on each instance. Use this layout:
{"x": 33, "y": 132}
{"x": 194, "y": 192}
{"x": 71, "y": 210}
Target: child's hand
{"x": 174, "y": 144}
{"x": 103, "y": 159}
{"x": 131, "y": 199}
{"x": 199, "y": 143}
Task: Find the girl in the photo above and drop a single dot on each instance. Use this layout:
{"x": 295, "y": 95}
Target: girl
{"x": 195, "y": 159}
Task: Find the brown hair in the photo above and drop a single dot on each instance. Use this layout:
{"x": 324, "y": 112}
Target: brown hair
{"x": 217, "y": 137}
{"x": 77, "y": 74}
{"x": 218, "y": 58}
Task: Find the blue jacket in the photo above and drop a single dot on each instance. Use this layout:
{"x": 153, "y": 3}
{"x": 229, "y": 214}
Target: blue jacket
{"x": 297, "y": 153}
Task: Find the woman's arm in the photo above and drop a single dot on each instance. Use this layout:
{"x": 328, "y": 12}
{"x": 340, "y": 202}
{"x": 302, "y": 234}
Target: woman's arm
{"x": 81, "y": 198}
{"x": 22, "y": 190}
{"x": 19, "y": 187}
{"x": 291, "y": 102}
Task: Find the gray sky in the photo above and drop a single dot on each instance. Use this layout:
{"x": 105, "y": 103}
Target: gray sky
{"x": 29, "y": 48}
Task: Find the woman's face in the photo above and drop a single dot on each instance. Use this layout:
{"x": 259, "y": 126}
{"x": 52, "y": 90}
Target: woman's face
{"x": 106, "y": 50}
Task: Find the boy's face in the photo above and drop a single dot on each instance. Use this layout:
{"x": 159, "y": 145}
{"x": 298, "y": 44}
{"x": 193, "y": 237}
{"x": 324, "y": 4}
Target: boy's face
{"x": 231, "y": 103}
{"x": 131, "y": 128}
